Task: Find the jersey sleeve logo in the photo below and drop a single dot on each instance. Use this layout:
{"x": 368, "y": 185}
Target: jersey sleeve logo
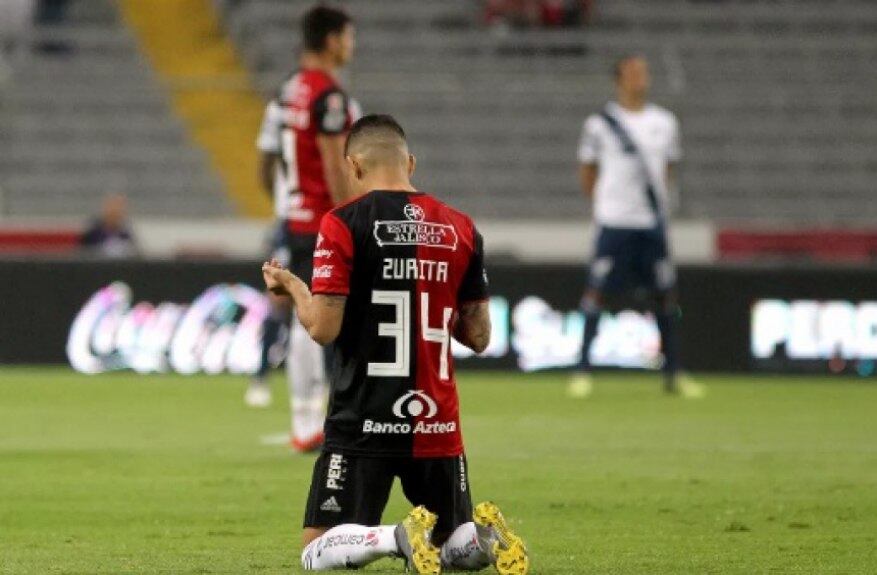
{"x": 415, "y": 231}
{"x": 336, "y": 114}
{"x": 323, "y": 272}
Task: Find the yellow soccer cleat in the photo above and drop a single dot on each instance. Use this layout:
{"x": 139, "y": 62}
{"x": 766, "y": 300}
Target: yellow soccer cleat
{"x": 689, "y": 387}
{"x": 580, "y": 386}
{"x": 505, "y": 549}
{"x": 413, "y": 537}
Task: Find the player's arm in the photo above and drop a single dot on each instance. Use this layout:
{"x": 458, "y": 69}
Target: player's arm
{"x": 321, "y": 315}
{"x": 473, "y": 326}
{"x": 590, "y": 145}
{"x": 588, "y": 178}
{"x": 267, "y": 170}
{"x": 331, "y": 120}
{"x": 321, "y": 310}
{"x": 269, "y": 145}
{"x": 674, "y": 154}
{"x": 332, "y": 153}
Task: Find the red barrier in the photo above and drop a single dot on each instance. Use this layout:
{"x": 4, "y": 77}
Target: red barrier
{"x": 811, "y": 244}
{"x": 37, "y": 240}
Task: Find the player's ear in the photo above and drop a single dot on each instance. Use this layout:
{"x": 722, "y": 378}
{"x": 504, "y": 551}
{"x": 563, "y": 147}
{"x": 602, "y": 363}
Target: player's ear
{"x": 412, "y": 164}
{"x": 353, "y": 167}
{"x": 332, "y": 43}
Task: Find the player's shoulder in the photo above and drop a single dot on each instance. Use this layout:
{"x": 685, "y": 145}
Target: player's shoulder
{"x": 353, "y": 210}
{"x": 661, "y": 113}
{"x": 286, "y": 90}
{"x": 321, "y": 83}
{"x": 381, "y": 204}
{"x": 594, "y": 121}
{"x": 446, "y": 210}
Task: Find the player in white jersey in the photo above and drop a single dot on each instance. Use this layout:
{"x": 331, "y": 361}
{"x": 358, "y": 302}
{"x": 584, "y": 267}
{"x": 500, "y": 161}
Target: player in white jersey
{"x": 627, "y": 154}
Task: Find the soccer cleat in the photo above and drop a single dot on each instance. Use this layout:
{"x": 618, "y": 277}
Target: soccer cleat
{"x": 413, "y": 537}
{"x": 684, "y": 386}
{"x": 313, "y": 443}
{"x": 505, "y": 549}
{"x": 581, "y": 385}
{"x": 258, "y": 394}
{"x": 689, "y": 388}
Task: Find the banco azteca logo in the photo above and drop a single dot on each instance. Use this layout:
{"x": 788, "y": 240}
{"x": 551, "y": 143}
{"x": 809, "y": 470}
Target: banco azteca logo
{"x": 414, "y": 213}
{"x": 414, "y": 404}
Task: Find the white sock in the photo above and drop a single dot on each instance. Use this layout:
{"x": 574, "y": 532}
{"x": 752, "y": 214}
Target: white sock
{"x": 463, "y": 551}
{"x": 307, "y": 387}
{"x": 349, "y": 545}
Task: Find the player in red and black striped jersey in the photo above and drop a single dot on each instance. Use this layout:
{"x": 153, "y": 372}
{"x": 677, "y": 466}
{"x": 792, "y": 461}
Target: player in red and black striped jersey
{"x": 304, "y": 133}
{"x": 397, "y": 273}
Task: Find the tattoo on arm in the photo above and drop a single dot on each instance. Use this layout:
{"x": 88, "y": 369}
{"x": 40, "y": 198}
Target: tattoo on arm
{"x": 334, "y": 301}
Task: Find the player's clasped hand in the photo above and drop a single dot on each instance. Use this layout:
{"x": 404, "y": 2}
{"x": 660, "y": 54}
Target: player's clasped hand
{"x": 276, "y": 277}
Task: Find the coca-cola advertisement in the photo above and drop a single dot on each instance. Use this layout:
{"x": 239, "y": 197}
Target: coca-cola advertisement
{"x": 218, "y": 331}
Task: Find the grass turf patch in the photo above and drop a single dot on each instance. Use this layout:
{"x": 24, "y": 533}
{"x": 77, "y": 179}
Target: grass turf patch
{"x": 123, "y": 473}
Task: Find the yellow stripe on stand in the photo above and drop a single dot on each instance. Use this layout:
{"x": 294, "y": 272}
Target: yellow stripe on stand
{"x": 211, "y": 91}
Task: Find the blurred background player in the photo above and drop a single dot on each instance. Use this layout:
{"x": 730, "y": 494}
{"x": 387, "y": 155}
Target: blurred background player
{"x": 272, "y": 177}
{"x": 400, "y": 273}
{"x": 627, "y": 156}
{"x": 313, "y": 115}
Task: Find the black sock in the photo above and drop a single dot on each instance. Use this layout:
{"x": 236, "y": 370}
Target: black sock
{"x": 667, "y": 328}
{"x": 592, "y": 319}
{"x": 270, "y": 333}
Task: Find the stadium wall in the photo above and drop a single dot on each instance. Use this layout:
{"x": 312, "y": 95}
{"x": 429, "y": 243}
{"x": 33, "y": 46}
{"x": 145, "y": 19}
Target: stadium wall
{"x": 693, "y": 241}
{"x": 204, "y": 316}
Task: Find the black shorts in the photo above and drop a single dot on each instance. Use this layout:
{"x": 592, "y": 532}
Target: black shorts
{"x": 301, "y": 255}
{"x": 355, "y": 489}
{"x": 627, "y": 258}
{"x": 278, "y": 242}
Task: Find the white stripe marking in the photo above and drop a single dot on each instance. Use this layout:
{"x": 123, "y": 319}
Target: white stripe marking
{"x": 275, "y": 439}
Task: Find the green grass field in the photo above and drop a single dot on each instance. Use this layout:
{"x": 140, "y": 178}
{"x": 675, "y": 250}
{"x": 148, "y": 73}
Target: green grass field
{"x": 160, "y": 474}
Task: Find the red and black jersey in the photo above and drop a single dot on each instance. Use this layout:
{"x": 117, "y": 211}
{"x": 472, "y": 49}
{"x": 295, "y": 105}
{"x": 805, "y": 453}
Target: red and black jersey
{"x": 405, "y": 261}
{"x": 313, "y": 104}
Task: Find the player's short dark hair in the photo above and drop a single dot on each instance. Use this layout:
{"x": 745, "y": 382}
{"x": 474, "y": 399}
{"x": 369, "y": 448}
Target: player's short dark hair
{"x": 620, "y": 62}
{"x": 374, "y": 124}
{"x": 319, "y": 22}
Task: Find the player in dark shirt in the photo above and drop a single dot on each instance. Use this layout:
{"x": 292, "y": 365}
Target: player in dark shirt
{"x": 396, "y": 274}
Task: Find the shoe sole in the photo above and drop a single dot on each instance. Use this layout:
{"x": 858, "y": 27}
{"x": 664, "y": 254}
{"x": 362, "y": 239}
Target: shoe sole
{"x": 424, "y": 556}
{"x": 510, "y": 551}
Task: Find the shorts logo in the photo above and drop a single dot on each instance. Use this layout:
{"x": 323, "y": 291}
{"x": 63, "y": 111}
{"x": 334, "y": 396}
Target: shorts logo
{"x": 463, "y": 483}
{"x": 336, "y": 474}
{"x": 415, "y": 231}
{"x": 415, "y": 402}
{"x": 331, "y": 504}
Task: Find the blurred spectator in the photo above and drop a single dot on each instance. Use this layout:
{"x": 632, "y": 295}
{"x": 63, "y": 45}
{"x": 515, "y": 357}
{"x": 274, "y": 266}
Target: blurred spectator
{"x": 15, "y": 21}
{"x": 52, "y": 13}
{"x": 537, "y": 13}
{"x": 109, "y": 235}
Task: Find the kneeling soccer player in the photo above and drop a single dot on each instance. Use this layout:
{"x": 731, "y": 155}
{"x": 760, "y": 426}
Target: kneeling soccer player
{"x": 396, "y": 274}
